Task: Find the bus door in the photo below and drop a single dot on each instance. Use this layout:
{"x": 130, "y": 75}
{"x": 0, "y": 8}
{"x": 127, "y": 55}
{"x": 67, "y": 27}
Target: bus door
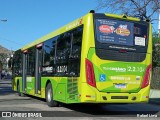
{"x": 24, "y": 68}
{"x": 38, "y": 69}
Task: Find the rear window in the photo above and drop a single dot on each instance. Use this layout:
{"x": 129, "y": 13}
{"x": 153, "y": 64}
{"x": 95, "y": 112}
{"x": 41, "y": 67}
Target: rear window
{"x": 114, "y": 32}
{"x": 118, "y": 34}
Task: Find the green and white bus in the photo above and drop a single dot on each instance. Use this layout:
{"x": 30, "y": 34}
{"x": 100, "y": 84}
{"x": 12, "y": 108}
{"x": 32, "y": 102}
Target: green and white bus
{"x": 98, "y": 58}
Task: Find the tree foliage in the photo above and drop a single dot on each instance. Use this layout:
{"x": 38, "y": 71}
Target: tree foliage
{"x": 3, "y": 58}
{"x": 156, "y": 50}
{"x": 144, "y": 9}
{"x": 1, "y": 67}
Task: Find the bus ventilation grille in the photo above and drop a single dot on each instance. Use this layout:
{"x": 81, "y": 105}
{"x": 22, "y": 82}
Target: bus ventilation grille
{"x": 119, "y": 97}
{"x": 116, "y": 55}
{"x": 72, "y": 88}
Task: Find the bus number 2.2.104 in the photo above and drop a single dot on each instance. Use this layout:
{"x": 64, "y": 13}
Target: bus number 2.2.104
{"x": 135, "y": 69}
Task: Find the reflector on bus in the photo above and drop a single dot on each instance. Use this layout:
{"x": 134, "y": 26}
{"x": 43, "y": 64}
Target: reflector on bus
{"x": 39, "y": 45}
{"x": 25, "y": 51}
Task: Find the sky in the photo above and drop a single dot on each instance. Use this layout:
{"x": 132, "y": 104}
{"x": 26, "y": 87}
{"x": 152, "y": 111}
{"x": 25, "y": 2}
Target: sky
{"x": 28, "y": 20}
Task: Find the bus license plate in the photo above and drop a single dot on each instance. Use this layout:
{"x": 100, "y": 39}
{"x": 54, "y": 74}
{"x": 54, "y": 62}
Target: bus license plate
{"x": 120, "y": 85}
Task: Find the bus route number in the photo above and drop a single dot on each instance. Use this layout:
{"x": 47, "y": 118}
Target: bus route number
{"x": 135, "y": 69}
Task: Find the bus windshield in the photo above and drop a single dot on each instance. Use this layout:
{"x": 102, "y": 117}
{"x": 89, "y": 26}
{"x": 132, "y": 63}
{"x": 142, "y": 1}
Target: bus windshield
{"x": 118, "y": 34}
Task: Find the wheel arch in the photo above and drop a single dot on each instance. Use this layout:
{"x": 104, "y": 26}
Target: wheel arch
{"x": 48, "y": 81}
{"x": 51, "y": 103}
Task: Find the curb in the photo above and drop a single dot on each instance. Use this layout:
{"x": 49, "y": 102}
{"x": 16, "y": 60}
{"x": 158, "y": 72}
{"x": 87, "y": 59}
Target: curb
{"x": 154, "y": 97}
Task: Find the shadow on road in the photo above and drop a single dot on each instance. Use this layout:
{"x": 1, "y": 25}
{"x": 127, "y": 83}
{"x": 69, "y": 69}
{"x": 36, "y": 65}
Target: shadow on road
{"x": 6, "y": 90}
{"x": 5, "y": 87}
{"x": 110, "y": 110}
{"x": 154, "y": 101}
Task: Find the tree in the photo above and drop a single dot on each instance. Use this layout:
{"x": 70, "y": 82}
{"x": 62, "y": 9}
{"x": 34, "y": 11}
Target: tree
{"x": 1, "y": 67}
{"x": 144, "y": 9}
{"x": 10, "y": 62}
{"x": 156, "y": 51}
{"x": 3, "y": 60}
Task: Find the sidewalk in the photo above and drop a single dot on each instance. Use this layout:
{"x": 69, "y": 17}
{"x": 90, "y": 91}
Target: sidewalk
{"x": 154, "y": 96}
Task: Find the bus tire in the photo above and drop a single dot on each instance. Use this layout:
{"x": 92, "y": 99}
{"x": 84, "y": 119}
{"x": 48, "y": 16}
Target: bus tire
{"x": 19, "y": 93}
{"x": 23, "y": 95}
{"x": 49, "y": 96}
{"x": 18, "y": 90}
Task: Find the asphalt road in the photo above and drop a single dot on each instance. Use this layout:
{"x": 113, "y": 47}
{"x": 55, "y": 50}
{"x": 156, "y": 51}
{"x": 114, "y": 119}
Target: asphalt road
{"x": 11, "y": 102}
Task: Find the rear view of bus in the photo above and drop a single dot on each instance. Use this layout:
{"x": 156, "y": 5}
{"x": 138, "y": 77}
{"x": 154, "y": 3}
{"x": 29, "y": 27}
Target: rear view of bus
{"x": 118, "y": 60}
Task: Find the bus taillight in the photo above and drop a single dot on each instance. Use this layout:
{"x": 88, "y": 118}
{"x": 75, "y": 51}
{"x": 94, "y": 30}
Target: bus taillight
{"x": 146, "y": 76}
{"x": 90, "y": 73}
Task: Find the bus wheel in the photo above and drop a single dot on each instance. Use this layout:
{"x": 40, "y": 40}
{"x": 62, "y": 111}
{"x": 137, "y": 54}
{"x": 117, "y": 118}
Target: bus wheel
{"x": 19, "y": 93}
{"x": 49, "y": 96}
{"x": 18, "y": 90}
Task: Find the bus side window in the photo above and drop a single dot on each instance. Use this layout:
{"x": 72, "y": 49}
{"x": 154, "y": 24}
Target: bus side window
{"x": 49, "y": 52}
{"x": 31, "y": 62}
{"x": 75, "y": 54}
{"x": 62, "y": 54}
{"x": 49, "y": 56}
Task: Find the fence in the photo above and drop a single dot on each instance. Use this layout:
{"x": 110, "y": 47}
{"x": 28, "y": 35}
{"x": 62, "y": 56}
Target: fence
{"x": 155, "y": 82}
